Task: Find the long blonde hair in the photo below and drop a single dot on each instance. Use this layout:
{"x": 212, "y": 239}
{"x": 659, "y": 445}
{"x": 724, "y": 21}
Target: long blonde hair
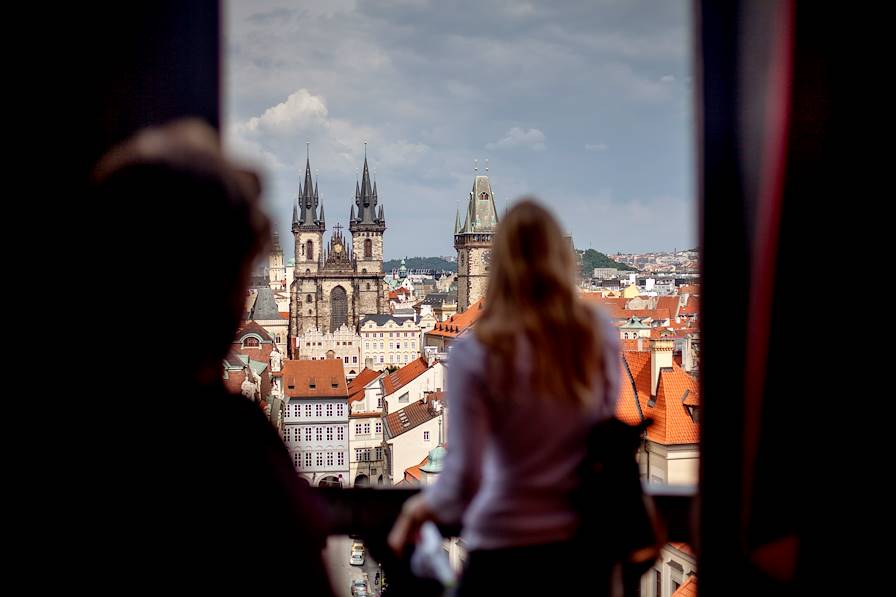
{"x": 532, "y": 295}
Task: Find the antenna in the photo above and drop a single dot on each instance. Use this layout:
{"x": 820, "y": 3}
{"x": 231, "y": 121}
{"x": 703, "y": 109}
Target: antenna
{"x": 475, "y": 165}
{"x": 486, "y": 164}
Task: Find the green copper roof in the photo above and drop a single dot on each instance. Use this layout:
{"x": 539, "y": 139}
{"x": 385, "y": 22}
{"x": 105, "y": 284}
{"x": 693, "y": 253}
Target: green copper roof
{"x": 435, "y": 461}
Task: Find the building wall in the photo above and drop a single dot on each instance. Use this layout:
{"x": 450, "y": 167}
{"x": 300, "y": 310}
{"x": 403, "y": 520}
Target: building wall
{"x": 375, "y": 263}
{"x": 369, "y": 437}
{"x": 344, "y": 343}
{"x": 673, "y": 566}
{"x": 472, "y": 279}
{"x": 431, "y": 380}
{"x": 279, "y": 331}
{"x": 305, "y": 262}
{"x": 409, "y": 448}
{"x": 669, "y": 465}
{"x": 407, "y": 334}
{"x": 296, "y": 424}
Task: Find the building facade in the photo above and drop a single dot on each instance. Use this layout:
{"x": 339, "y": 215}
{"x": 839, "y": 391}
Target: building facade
{"x": 473, "y": 242}
{"x": 315, "y": 424}
{"x": 343, "y": 344}
{"x": 339, "y": 283}
{"x": 387, "y": 341}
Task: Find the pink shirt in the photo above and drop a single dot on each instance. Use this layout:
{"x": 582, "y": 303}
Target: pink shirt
{"x": 512, "y": 461}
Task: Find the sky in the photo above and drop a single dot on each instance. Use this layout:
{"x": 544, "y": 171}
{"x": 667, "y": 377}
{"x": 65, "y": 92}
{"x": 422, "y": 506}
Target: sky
{"x": 585, "y": 105}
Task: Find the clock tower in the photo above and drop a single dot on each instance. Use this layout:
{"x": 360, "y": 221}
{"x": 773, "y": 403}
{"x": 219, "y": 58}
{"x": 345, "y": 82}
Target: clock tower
{"x": 473, "y": 241}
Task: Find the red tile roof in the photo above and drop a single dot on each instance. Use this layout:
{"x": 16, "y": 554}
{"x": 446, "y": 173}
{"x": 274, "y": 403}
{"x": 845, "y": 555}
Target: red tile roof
{"x": 668, "y": 302}
{"x": 408, "y": 418}
{"x": 692, "y": 307}
{"x": 684, "y": 548}
{"x": 688, "y": 589}
{"x": 414, "y": 471}
{"x": 327, "y": 377}
{"x": 457, "y": 323}
{"x": 395, "y": 381}
{"x": 284, "y": 314}
{"x": 672, "y": 424}
{"x": 356, "y": 386}
{"x": 252, "y": 327}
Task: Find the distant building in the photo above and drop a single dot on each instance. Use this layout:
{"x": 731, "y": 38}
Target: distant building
{"x": 365, "y": 399}
{"x": 409, "y": 434}
{"x": 411, "y": 383}
{"x": 388, "y": 341}
{"x": 654, "y": 386}
{"x": 605, "y": 273}
{"x": 264, "y": 311}
{"x": 343, "y": 344}
{"x": 343, "y": 283}
{"x": 473, "y": 241}
{"x": 445, "y": 332}
{"x": 315, "y": 426}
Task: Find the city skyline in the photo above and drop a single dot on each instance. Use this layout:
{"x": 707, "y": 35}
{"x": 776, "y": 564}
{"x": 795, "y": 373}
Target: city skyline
{"x": 597, "y": 126}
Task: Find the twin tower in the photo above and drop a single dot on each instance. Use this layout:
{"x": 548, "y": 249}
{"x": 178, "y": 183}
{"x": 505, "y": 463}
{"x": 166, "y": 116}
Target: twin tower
{"x": 336, "y": 284}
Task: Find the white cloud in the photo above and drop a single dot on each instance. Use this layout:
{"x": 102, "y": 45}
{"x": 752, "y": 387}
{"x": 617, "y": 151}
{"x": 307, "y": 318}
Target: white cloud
{"x": 667, "y": 79}
{"x": 517, "y": 137}
{"x": 596, "y": 147}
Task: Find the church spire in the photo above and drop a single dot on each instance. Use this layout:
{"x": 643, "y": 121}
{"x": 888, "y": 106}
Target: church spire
{"x": 308, "y": 199}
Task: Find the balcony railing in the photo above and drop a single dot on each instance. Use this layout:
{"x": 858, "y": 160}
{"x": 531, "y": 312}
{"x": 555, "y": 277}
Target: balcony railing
{"x": 369, "y": 513}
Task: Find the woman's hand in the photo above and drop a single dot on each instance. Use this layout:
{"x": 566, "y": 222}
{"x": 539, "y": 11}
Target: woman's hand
{"x": 413, "y": 514}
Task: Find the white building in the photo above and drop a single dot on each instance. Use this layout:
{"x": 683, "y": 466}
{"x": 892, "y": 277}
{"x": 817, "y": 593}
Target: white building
{"x": 409, "y": 434}
{"x": 264, "y": 311}
{"x": 387, "y": 341}
{"x": 365, "y": 429}
{"x": 343, "y": 344}
{"x": 315, "y": 426}
{"x": 412, "y": 383}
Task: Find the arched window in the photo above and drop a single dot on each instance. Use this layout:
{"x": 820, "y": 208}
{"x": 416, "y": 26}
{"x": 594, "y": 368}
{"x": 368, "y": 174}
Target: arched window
{"x": 368, "y": 286}
{"x": 309, "y": 251}
{"x": 338, "y": 308}
{"x": 368, "y": 248}
{"x": 250, "y": 343}
{"x": 308, "y": 299}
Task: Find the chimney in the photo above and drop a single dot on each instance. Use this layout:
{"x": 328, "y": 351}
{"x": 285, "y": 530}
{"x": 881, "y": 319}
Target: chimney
{"x": 660, "y": 358}
{"x": 687, "y": 360}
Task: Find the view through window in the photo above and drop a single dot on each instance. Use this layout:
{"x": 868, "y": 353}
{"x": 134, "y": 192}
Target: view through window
{"x": 392, "y": 136}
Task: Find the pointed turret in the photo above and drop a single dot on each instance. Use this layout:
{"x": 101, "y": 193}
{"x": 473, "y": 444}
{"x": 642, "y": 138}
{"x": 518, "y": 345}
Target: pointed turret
{"x": 351, "y": 217}
{"x": 482, "y": 216}
{"x": 322, "y": 220}
{"x": 381, "y": 217}
{"x": 457, "y": 221}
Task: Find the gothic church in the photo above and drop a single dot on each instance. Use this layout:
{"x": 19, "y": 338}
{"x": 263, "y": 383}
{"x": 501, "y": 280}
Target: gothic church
{"x": 341, "y": 282}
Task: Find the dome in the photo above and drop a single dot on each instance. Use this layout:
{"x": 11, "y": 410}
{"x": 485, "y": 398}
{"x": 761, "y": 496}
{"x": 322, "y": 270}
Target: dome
{"x": 435, "y": 461}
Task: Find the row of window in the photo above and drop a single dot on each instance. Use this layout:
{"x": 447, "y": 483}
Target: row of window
{"x": 392, "y": 345}
{"x": 364, "y": 428}
{"x": 296, "y": 410}
{"x": 340, "y": 343}
{"x": 391, "y": 334}
{"x": 363, "y": 454}
{"x": 393, "y": 358}
{"x": 302, "y": 460}
{"x": 293, "y": 433}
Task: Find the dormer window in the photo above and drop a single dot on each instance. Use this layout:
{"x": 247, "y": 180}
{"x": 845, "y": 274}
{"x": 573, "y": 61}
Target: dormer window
{"x": 250, "y": 343}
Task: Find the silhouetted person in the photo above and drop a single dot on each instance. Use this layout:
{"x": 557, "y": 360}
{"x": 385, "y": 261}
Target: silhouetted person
{"x": 525, "y": 387}
{"x": 192, "y": 487}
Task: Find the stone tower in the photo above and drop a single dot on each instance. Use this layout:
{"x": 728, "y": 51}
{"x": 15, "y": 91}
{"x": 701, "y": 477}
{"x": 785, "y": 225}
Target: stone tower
{"x": 473, "y": 242}
{"x": 367, "y": 224}
{"x": 308, "y": 229}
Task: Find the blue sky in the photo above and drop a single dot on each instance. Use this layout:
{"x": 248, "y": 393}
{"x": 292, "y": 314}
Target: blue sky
{"x": 586, "y": 105}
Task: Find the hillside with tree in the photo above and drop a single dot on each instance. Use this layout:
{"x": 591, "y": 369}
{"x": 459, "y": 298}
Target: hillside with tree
{"x": 592, "y": 259}
{"x": 433, "y": 263}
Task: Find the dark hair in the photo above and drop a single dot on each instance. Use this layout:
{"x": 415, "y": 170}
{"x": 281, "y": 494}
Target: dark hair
{"x": 190, "y": 224}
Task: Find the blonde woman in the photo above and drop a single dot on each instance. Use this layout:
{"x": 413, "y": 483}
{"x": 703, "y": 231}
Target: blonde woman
{"x": 524, "y": 387}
